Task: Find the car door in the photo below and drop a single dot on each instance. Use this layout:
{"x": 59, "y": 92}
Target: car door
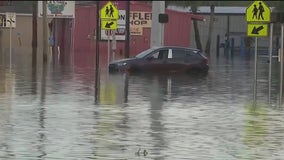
{"x": 156, "y": 61}
{"x": 192, "y": 59}
{"x": 176, "y": 60}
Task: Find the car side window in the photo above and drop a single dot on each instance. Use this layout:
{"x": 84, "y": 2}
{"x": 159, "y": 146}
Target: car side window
{"x": 155, "y": 55}
{"x": 161, "y": 54}
{"x": 191, "y": 55}
{"x": 178, "y": 54}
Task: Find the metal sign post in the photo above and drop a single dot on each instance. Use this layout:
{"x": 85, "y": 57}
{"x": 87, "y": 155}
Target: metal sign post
{"x": 113, "y": 45}
{"x": 255, "y": 73}
{"x": 97, "y": 79}
{"x": 281, "y": 64}
{"x": 10, "y": 45}
{"x": 109, "y": 15}
{"x": 257, "y": 16}
{"x": 108, "y": 46}
{"x": 270, "y": 63}
{"x": 11, "y": 23}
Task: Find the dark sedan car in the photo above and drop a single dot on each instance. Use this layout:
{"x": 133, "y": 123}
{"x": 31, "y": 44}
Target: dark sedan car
{"x": 163, "y": 59}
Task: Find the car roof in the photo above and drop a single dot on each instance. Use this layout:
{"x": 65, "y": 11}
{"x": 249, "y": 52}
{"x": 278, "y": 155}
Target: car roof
{"x": 174, "y": 47}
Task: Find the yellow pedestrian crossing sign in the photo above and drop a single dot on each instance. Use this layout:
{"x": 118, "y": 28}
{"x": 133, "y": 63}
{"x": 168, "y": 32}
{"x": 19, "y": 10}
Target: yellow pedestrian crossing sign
{"x": 109, "y": 24}
{"x": 109, "y": 11}
{"x": 257, "y": 30}
{"x": 258, "y": 11}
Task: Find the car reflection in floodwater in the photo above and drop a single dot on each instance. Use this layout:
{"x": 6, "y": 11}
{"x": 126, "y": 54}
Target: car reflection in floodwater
{"x": 168, "y": 84}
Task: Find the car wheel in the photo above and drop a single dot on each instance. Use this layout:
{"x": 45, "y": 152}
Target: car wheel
{"x": 134, "y": 69}
{"x": 197, "y": 71}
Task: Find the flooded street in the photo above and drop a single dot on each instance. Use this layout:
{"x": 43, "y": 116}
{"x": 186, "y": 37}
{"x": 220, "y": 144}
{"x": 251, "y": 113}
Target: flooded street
{"x": 50, "y": 113}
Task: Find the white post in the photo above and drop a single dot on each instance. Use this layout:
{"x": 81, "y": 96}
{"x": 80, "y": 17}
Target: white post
{"x": 157, "y": 29}
{"x": 113, "y": 45}
{"x": 270, "y": 62}
{"x": 10, "y": 45}
{"x": 255, "y": 73}
{"x": 281, "y": 63}
{"x": 108, "y": 47}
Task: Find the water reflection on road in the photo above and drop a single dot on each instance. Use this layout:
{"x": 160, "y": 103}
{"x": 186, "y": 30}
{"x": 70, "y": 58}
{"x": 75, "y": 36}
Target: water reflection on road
{"x": 50, "y": 113}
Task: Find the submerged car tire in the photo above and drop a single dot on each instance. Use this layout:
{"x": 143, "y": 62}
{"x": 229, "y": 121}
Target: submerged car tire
{"x": 197, "y": 70}
{"x": 134, "y": 69}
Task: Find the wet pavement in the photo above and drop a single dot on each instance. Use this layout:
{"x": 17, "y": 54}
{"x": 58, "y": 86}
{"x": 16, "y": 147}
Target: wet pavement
{"x": 51, "y": 113}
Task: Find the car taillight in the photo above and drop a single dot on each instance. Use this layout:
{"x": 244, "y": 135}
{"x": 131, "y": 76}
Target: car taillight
{"x": 206, "y": 60}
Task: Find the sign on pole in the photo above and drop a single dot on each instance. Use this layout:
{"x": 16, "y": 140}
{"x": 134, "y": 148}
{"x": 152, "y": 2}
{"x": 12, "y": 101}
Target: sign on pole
{"x": 109, "y": 11}
{"x": 109, "y": 16}
{"x": 58, "y": 9}
{"x": 257, "y": 30}
{"x": 258, "y": 11}
{"x": 10, "y": 19}
{"x": 109, "y": 24}
{"x": 257, "y": 15}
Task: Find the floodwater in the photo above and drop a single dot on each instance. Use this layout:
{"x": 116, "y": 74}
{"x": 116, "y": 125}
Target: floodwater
{"x": 52, "y": 113}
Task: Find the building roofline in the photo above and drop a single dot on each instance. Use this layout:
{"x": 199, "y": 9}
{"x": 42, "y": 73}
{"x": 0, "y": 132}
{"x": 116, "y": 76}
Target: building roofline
{"x": 218, "y": 9}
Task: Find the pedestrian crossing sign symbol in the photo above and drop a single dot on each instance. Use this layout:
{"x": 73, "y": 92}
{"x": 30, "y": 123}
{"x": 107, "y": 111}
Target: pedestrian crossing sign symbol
{"x": 257, "y": 30}
{"x": 258, "y": 11}
{"x": 109, "y": 11}
{"x": 109, "y": 25}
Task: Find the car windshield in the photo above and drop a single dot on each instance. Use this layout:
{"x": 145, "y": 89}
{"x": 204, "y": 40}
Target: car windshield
{"x": 144, "y": 53}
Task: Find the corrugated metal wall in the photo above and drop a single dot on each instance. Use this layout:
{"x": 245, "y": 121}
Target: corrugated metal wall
{"x": 177, "y": 31}
{"x": 63, "y": 39}
{"x": 237, "y": 29}
{"x": 83, "y": 44}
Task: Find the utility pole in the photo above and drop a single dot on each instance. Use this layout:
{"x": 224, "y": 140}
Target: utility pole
{"x": 157, "y": 31}
{"x": 34, "y": 34}
{"x": 97, "y": 79}
{"x": 270, "y": 62}
{"x": 127, "y": 29}
{"x": 281, "y": 63}
{"x": 44, "y": 28}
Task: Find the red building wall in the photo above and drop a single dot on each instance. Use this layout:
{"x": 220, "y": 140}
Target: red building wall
{"x": 177, "y": 32}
